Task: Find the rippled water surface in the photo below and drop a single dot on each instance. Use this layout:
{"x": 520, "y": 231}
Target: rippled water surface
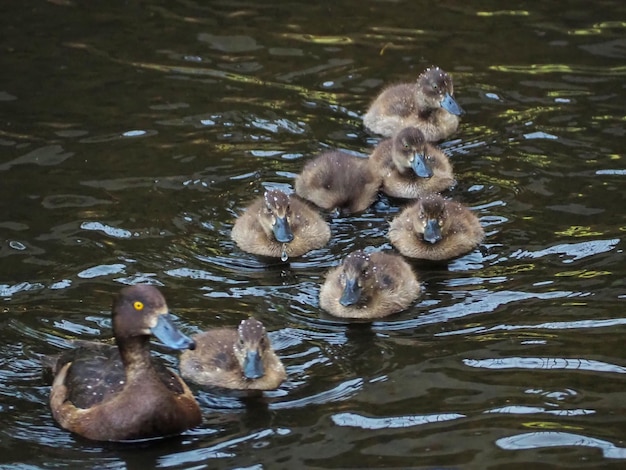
{"x": 133, "y": 133}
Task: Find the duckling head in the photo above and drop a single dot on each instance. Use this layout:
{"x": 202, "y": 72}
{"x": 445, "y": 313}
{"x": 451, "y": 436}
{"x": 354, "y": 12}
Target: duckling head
{"x": 277, "y": 213}
{"x": 438, "y": 89}
{"x": 431, "y": 216}
{"x": 354, "y": 273}
{"x": 251, "y": 344}
{"x": 409, "y": 152}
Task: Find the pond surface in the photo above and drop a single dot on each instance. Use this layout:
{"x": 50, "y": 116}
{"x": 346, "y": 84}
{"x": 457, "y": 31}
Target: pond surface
{"x": 133, "y": 134}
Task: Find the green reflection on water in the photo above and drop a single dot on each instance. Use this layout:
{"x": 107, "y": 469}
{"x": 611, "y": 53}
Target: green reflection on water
{"x": 503, "y": 13}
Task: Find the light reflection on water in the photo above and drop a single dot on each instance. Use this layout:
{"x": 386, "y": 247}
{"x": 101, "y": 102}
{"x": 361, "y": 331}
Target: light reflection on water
{"x": 539, "y": 440}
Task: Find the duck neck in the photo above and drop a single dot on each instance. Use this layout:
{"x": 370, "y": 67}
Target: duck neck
{"x": 135, "y": 354}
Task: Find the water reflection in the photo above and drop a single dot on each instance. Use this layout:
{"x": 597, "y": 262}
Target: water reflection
{"x": 350, "y": 419}
{"x": 539, "y": 440}
{"x": 545, "y": 363}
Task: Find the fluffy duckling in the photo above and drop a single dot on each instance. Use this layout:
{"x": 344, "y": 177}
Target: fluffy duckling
{"x": 340, "y": 182}
{"x": 369, "y": 286}
{"x": 427, "y": 104}
{"x": 436, "y": 229}
{"x": 410, "y": 166}
{"x": 241, "y": 359}
{"x": 280, "y": 225}
{"x": 118, "y": 393}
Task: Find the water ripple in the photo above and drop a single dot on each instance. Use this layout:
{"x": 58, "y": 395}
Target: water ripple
{"x": 357, "y": 421}
{"x": 474, "y": 302}
{"x": 519, "y": 409}
{"x": 541, "y": 440}
{"x": 544, "y": 363}
{"x": 570, "y": 325}
{"x": 575, "y": 250}
{"x": 44, "y": 156}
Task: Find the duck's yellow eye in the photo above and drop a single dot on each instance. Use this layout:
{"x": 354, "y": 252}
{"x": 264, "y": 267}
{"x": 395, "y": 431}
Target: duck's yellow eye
{"x": 138, "y": 305}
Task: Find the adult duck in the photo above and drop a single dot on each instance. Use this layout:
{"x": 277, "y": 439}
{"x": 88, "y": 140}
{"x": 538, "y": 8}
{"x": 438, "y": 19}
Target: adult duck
{"x": 119, "y": 393}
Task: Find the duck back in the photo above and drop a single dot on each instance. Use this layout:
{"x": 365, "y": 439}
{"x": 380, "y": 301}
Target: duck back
{"x": 337, "y": 180}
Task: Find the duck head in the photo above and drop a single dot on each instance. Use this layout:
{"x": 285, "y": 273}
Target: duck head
{"x": 354, "y": 274}
{"x": 140, "y": 311}
{"x": 276, "y": 214}
{"x": 409, "y": 151}
{"x": 438, "y": 89}
{"x": 250, "y": 347}
{"x": 431, "y": 217}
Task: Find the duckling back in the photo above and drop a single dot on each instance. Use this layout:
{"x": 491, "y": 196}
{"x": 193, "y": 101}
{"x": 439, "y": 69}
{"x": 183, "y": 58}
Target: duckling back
{"x": 338, "y": 181}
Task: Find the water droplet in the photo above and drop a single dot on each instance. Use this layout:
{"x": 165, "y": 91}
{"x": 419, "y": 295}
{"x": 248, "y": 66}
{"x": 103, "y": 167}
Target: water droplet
{"x": 284, "y": 256}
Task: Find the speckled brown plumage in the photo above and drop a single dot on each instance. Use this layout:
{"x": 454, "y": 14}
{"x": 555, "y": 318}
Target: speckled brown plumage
{"x": 381, "y": 284}
{"x": 255, "y": 230}
{"x": 117, "y": 393}
{"x": 420, "y": 104}
{"x": 338, "y": 181}
{"x": 458, "y": 229}
{"x": 394, "y": 160}
{"x": 222, "y": 354}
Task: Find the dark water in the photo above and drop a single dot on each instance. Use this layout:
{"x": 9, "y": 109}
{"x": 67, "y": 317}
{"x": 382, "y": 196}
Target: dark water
{"x": 132, "y": 133}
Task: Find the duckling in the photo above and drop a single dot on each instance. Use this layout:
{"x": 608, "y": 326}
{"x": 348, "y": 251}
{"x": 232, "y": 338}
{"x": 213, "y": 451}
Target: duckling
{"x": 369, "y": 286}
{"x": 427, "y": 104}
{"x": 241, "y": 359}
{"x": 280, "y": 225}
{"x": 436, "y": 229}
{"x": 118, "y": 393}
{"x": 338, "y": 181}
{"x": 410, "y": 166}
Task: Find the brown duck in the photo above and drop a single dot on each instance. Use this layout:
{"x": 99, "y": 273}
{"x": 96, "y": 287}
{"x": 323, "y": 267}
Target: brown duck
{"x": 119, "y": 393}
{"x": 427, "y": 104}
{"x": 369, "y": 286}
{"x": 281, "y": 226}
{"x": 411, "y": 167}
{"x": 238, "y": 359}
{"x": 436, "y": 229}
{"x": 338, "y": 181}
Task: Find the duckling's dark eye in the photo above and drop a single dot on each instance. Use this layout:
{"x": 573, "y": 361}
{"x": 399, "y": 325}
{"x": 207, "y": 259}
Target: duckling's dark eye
{"x": 240, "y": 342}
{"x": 138, "y": 306}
